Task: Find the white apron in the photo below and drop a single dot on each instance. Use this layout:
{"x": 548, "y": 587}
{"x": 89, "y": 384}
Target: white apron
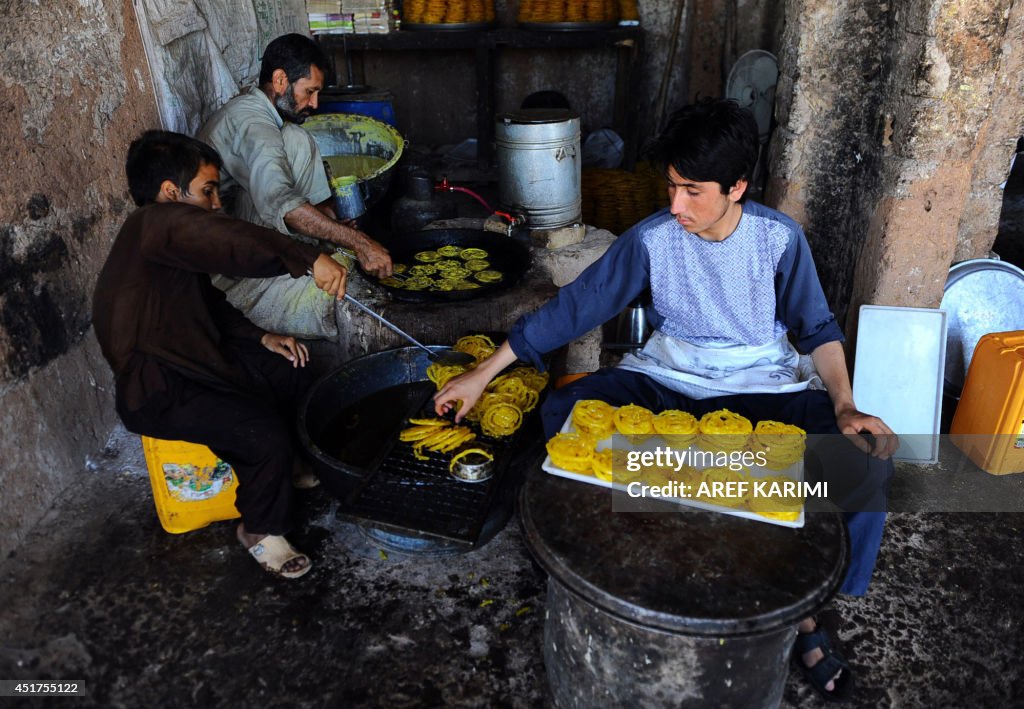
{"x": 705, "y": 371}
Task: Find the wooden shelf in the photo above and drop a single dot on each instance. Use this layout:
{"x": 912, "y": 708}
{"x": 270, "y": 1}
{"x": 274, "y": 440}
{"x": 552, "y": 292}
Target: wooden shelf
{"x": 486, "y": 44}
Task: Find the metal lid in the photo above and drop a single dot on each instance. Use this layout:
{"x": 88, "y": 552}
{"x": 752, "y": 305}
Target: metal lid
{"x": 536, "y": 116}
{"x": 682, "y": 569}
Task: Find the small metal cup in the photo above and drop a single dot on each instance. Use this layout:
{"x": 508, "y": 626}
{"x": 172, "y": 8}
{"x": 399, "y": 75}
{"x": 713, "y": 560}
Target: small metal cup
{"x": 348, "y": 199}
{"x": 473, "y": 472}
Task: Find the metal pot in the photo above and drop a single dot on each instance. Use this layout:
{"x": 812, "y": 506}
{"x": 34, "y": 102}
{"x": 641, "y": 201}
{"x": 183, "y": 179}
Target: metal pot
{"x": 349, "y": 422}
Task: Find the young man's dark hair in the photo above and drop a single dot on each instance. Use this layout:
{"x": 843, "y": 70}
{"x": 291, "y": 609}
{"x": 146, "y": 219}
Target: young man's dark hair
{"x": 294, "y": 53}
{"x": 159, "y": 155}
{"x": 714, "y": 140}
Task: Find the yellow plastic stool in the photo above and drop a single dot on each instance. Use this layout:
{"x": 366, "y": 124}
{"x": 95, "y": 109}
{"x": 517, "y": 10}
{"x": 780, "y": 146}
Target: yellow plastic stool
{"x": 191, "y": 486}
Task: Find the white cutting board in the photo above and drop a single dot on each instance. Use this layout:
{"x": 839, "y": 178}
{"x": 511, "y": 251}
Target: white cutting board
{"x": 898, "y": 374}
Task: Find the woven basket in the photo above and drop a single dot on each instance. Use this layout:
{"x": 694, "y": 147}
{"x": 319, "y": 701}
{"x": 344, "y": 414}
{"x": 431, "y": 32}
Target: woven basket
{"x": 616, "y": 199}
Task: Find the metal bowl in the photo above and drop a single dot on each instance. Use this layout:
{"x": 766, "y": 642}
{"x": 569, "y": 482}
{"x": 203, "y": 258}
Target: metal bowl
{"x": 351, "y": 134}
{"x": 981, "y": 296}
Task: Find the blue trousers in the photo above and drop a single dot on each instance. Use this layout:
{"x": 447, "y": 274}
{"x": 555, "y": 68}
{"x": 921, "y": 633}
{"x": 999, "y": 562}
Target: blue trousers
{"x": 858, "y": 483}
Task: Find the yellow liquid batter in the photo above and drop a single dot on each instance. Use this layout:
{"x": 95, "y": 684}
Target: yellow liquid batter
{"x": 360, "y": 166}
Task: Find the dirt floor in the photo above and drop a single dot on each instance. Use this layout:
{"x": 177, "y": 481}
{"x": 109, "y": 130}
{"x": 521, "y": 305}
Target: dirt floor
{"x": 102, "y": 594}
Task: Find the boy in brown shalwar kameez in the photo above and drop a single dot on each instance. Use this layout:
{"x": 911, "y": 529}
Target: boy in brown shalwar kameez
{"x": 189, "y": 366}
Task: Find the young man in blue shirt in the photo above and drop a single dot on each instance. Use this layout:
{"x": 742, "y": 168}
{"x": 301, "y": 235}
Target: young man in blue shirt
{"x": 735, "y": 300}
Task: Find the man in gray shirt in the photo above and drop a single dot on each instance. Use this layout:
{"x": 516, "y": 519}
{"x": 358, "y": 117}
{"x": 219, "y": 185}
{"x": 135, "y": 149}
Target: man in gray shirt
{"x": 273, "y": 176}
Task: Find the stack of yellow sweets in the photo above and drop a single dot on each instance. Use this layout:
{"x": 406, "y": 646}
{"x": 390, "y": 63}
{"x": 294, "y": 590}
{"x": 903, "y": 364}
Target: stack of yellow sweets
{"x": 594, "y": 418}
{"x": 575, "y": 11}
{"x": 438, "y": 12}
{"x": 480, "y": 346}
{"x": 441, "y": 373}
{"x": 572, "y": 451}
{"x": 721, "y": 475}
{"x": 501, "y": 420}
{"x": 501, "y": 407}
{"x": 723, "y": 430}
{"x": 785, "y": 508}
{"x": 782, "y": 443}
{"x": 434, "y": 434}
{"x": 678, "y": 428}
{"x": 634, "y": 420}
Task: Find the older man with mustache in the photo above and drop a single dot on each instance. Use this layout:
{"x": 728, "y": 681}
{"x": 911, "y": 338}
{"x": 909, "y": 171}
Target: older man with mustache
{"x": 273, "y": 176}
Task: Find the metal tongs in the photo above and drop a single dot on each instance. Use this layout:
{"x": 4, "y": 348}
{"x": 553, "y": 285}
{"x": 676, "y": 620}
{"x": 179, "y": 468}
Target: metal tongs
{"x": 446, "y": 357}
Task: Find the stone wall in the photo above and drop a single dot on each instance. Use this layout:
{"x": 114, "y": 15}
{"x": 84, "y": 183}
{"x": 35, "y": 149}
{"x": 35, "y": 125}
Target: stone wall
{"x": 74, "y": 91}
{"x": 894, "y": 126}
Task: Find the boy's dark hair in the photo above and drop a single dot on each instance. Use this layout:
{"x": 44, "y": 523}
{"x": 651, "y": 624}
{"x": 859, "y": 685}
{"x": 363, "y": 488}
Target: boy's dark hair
{"x": 295, "y": 53}
{"x": 159, "y": 155}
{"x": 714, "y": 140}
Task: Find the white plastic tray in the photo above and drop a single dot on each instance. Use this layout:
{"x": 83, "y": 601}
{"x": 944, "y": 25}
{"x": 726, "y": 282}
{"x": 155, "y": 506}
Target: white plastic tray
{"x": 898, "y": 374}
{"x": 794, "y": 472}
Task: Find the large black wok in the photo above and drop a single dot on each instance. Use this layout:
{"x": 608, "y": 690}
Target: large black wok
{"x": 349, "y": 422}
{"x": 506, "y": 254}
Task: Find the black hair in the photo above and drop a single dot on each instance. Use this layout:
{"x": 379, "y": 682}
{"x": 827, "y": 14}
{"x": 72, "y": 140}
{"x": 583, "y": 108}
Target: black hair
{"x": 713, "y": 140}
{"x": 159, "y": 155}
{"x": 295, "y": 54}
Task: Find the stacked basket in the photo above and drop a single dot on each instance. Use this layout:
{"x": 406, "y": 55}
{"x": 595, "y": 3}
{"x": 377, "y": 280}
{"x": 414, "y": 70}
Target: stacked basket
{"x": 616, "y": 199}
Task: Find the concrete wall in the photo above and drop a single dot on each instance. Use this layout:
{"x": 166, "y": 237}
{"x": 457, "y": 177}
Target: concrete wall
{"x": 74, "y": 91}
{"x": 894, "y": 125}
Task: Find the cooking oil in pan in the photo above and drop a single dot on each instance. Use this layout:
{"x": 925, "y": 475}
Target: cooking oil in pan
{"x": 358, "y": 434}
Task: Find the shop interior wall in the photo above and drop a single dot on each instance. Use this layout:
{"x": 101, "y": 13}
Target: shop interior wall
{"x": 435, "y": 99}
{"x": 74, "y": 91}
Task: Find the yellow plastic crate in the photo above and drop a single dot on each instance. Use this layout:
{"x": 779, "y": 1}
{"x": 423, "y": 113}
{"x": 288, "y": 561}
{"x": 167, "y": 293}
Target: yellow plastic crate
{"x": 191, "y": 486}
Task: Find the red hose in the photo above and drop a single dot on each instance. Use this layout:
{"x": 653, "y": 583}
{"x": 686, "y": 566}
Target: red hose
{"x": 445, "y": 186}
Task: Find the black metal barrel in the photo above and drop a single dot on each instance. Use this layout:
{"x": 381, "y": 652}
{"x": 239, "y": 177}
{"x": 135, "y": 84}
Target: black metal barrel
{"x": 672, "y": 606}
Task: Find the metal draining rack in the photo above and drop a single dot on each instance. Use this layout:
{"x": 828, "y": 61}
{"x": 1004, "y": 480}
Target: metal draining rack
{"x": 419, "y": 498}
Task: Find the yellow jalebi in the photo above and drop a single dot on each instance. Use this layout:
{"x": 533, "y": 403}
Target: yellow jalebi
{"x": 531, "y": 377}
{"x": 441, "y": 373}
{"x": 678, "y": 428}
{"x": 487, "y": 400}
{"x": 782, "y": 444}
{"x": 724, "y": 430}
{"x": 501, "y": 420}
{"x": 571, "y": 451}
{"x": 706, "y": 491}
{"x": 780, "y": 506}
{"x": 522, "y": 396}
{"x": 435, "y": 435}
{"x": 633, "y": 419}
{"x": 463, "y": 453}
{"x": 594, "y": 417}
{"x": 601, "y": 463}
{"x": 480, "y": 346}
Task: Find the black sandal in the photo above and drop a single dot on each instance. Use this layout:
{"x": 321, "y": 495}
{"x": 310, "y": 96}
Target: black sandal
{"x": 826, "y": 668}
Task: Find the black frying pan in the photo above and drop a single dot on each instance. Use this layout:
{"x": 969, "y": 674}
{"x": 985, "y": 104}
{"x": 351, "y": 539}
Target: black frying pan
{"x": 505, "y": 254}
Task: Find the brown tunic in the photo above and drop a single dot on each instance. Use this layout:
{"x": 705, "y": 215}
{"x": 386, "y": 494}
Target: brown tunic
{"x": 154, "y": 303}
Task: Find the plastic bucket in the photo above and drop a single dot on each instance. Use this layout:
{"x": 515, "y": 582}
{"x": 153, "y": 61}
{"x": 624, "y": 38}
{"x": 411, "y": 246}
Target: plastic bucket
{"x": 357, "y": 146}
{"x": 375, "y": 104}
